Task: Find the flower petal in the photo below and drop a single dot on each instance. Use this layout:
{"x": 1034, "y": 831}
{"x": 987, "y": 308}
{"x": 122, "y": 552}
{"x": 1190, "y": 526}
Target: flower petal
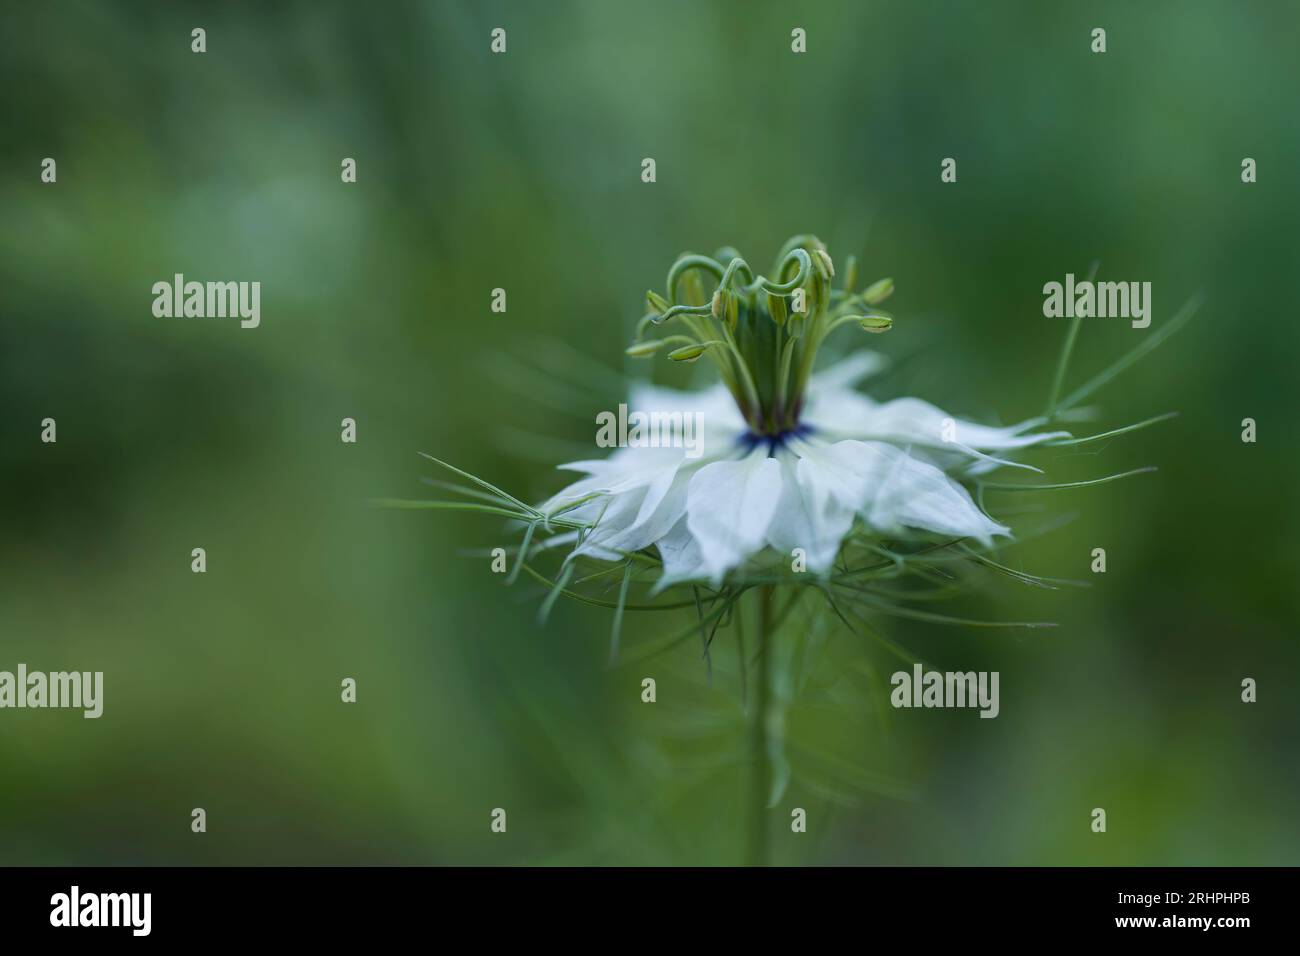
{"x": 849, "y": 371}
{"x": 911, "y": 421}
{"x": 715, "y": 406}
{"x": 729, "y": 507}
{"x": 907, "y": 420}
{"x": 808, "y": 516}
{"x": 681, "y": 557}
{"x": 896, "y": 491}
{"x": 626, "y": 470}
{"x": 658, "y": 508}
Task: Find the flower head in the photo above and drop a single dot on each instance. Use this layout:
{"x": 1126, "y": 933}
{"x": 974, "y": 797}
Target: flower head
{"x": 869, "y": 497}
{"x": 795, "y": 459}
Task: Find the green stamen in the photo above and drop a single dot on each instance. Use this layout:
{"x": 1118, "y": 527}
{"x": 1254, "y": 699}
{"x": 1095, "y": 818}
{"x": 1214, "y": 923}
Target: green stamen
{"x": 762, "y": 334}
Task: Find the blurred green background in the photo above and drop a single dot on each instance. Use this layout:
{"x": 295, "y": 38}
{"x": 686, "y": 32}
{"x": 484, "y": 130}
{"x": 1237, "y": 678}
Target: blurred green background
{"x": 522, "y": 171}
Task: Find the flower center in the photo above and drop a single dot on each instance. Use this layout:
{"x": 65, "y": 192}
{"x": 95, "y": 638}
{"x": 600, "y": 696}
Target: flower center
{"x": 773, "y": 442}
{"x": 761, "y": 333}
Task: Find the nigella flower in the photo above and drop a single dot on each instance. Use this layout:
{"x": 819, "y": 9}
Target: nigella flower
{"x": 799, "y": 468}
{"x": 845, "y": 459}
{"x": 794, "y": 481}
{"x": 794, "y": 459}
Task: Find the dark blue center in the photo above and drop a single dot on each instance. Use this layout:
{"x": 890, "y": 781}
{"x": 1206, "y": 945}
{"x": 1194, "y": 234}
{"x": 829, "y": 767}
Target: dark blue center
{"x": 749, "y": 441}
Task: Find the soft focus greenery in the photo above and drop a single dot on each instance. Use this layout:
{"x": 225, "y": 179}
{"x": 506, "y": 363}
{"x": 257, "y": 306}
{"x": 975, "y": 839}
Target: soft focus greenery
{"x": 522, "y": 171}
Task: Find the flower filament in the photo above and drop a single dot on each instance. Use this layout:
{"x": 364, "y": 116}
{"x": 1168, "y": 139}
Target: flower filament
{"x": 761, "y": 333}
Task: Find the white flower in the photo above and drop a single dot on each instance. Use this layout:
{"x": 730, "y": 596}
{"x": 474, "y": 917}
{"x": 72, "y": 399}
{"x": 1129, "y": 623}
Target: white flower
{"x": 791, "y": 460}
{"x": 849, "y": 459}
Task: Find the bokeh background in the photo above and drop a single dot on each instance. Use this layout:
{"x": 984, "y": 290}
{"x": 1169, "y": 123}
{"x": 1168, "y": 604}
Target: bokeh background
{"x": 522, "y": 171}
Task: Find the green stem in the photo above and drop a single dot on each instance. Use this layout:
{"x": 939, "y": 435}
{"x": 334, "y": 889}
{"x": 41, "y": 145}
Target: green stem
{"x": 778, "y": 396}
{"x": 1063, "y": 363}
{"x": 755, "y": 405}
{"x": 761, "y": 769}
{"x": 783, "y": 383}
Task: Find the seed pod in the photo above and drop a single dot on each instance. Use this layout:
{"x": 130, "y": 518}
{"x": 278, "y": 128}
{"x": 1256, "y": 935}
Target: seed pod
{"x": 878, "y": 291}
{"x": 776, "y": 308}
{"x": 850, "y": 273}
{"x": 824, "y": 263}
{"x": 643, "y": 349}
{"x": 689, "y": 353}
